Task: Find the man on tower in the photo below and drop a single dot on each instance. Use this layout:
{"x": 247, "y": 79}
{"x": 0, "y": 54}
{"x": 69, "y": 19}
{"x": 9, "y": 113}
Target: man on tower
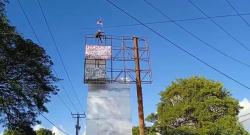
{"x": 99, "y": 35}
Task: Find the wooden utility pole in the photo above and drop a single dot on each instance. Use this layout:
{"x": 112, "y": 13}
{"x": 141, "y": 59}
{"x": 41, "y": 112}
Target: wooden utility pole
{"x": 78, "y": 116}
{"x": 139, "y": 86}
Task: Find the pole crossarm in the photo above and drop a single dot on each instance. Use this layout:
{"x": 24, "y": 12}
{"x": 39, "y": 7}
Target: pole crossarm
{"x": 78, "y": 116}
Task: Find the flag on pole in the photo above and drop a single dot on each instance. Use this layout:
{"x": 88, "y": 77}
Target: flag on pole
{"x": 99, "y": 22}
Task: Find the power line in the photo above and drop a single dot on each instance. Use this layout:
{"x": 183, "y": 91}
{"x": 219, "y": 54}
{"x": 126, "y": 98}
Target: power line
{"x": 35, "y": 34}
{"x": 60, "y": 98}
{"x": 54, "y": 124}
{"x": 196, "y": 37}
{"x": 219, "y": 26}
{"x": 70, "y": 100}
{"x": 177, "y": 20}
{"x": 244, "y": 120}
{"x": 67, "y": 94}
{"x": 177, "y": 46}
{"x": 29, "y": 22}
{"x": 244, "y": 115}
{"x": 236, "y": 11}
{"x": 58, "y": 52}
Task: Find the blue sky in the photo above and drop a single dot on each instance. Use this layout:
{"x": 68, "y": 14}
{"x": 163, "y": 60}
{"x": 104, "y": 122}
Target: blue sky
{"x": 71, "y": 20}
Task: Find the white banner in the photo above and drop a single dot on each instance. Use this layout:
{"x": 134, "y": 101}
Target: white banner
{"x": 98, "y": 52}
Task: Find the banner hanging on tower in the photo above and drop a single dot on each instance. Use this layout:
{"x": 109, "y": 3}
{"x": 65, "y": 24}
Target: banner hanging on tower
{"x": 98, "y": 52}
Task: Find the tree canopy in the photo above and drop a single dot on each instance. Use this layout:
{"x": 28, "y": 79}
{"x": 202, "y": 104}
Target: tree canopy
{"x": 197, "y": 106}
{"x": 43, "y": 131}
{"x": 26, "y": 79}
{"x": 148, "y": 131}
{"x": 19, "y": 132}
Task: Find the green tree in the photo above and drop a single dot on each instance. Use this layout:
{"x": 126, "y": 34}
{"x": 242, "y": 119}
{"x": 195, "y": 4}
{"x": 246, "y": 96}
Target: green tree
{"x": 197, "y": 106}
{"x": 18, "y": 132}
{"x": 26, "y": 79}
{"x": 148, "y": 131}
{"x": 10, "y": 132}
{"x": 43, "y": 131}
{"x": 135, "y": 131}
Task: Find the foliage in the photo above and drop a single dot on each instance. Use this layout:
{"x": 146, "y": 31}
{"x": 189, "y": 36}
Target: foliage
{"x": 43, "y": 131}
{"x": 148, "y": 131}
{"x": 26, "y": 79}
{"x": 152, "y": 118}
{"x": 10, "y": 132}
{"x": 197, "y": 106}
{"x": 20, "y": 132}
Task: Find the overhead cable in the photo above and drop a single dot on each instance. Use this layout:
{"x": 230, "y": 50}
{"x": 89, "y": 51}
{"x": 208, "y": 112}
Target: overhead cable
{"x": 178, "y": 46}
{"x": 196, "y": 36}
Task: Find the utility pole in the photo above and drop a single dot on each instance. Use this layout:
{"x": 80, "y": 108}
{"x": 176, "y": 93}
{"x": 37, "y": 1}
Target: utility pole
{"x": 139, "y": 86}
{"x": 78, "y": 117}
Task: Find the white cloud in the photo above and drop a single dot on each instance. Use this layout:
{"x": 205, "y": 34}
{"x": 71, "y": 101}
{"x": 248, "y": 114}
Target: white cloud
{"x": 84, "y": 130}
{"x": 56, "y": 131}
{"x": 1, "y": 133}
{"x": 36, "y": 127}
{"x": 53, "y": 129}
{"x": 245, "y": 103}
